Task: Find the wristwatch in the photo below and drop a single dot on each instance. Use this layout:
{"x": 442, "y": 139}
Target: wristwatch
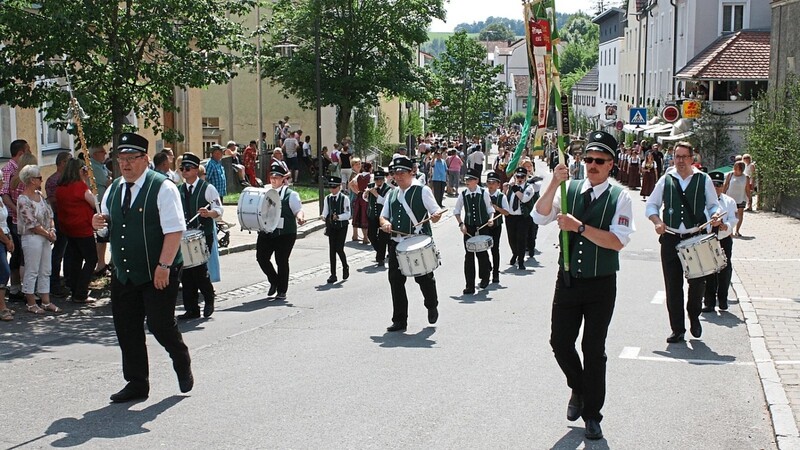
{"x": 581, "y": 229}
{"x": 164, "y": 266}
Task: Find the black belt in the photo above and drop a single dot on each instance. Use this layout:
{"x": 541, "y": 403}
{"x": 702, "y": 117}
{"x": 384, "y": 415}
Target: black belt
{"x": 687, "y": 235}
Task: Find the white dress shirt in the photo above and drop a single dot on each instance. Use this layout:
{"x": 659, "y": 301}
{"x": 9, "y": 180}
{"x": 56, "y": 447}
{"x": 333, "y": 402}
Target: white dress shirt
{"x": 344, "y": 215}
{"x": 212, "y": 197}
{"x": 170, "y": 209}
{"x": 728, "y": 205}
{"x": 656, "y": 199}
{"x": 484, "y": 193}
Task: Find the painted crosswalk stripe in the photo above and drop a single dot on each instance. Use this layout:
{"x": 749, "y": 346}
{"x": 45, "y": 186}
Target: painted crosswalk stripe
{"x": 659, "y": 298}
{"x": 633, "y": 353}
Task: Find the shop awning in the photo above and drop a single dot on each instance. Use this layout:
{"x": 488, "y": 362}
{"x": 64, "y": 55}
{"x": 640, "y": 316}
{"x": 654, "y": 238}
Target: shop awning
{"x": 675, "y": 137}
{"x": 664, "y": 128}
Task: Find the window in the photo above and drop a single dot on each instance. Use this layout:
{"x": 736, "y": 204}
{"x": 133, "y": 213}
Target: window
{"x": 732, "y": 17}
{"x": 7, "y": 128}
{"x": 738, "y": 90}
{"x": 49, "y": 137}
{"x": 615, "y": 56}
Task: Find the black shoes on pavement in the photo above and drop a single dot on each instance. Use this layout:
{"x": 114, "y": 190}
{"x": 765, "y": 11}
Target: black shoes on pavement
{"x": 332, "y": 279}
{"x": 575, "y": 406}
{"x": 695, "y": 328}
{"x": 707, "y": 309}
{"x": 186, "y": 381}
{"x": 130, "y": 393}
{"x": 272, "y": 290}
{"x": 433, "y": 315}
{"x": 208, "y": 308}
{"x": 396, "y": 327}
{"x": 345, "y": 272}
{"x": 484, "y": 284}
{"x": 675, "y": 338}
{"x": 593, "y": 430}
{"x": 189, "y": 315}
{"x": 468, "y": 291}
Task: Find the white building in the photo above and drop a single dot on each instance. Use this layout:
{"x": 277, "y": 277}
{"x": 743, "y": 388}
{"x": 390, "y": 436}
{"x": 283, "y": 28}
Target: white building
{"x": 611, "y": 23}
{"x": 584, "y": 102}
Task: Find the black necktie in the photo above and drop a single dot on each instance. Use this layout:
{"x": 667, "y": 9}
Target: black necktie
{"x": 188, "y": 197}
{"x": 587, "y": 199}
{"x": 126, "y": 202}
{"x": 515, "y": 203}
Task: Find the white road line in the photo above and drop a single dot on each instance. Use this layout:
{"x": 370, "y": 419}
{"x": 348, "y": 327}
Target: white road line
{"x": 766, "y": 260}
{"x": 659, "y": 298}
{"x": 786, "y": 363}
{"x": 780, "y": 299}
{"x": 633, "y": 353}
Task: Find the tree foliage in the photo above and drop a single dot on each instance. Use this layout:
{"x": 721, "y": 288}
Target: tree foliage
{"x": 367, "y": 48}
{"x": 496, "y": 32}
{"x": 580, "y": 55}
{"x": 773, "y": 138}
{"x": 712, "y": 137}
{"x": 466, "y": 88}
{"x": 517, "y": 26}
{"x": 122, "y": 56}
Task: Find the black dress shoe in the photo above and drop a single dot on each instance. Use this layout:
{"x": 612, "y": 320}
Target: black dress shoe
{"x": 433, "y": 315}
{"x": 496, "y": 280}
{"x": 186, "y": 382}
{"x": 468, "y": 291}
{"x": 484, "y": 284}
{"x": 521, "y": 266}
{"x": 281, "y": 296}
{"x": 332, "y": 279}
{"x": 129, "y": 393}
{"x": 189, "y": 315}
{"x": 574, "y": 407}
{"x": 513, "y": 260}
{"x": 723, "y": 306}
{"x": 345, "y": 272}
{"x": 696, "y": 329}
{"x": 381, "y": 263}
{"x": 272, "y": 290}
{"x": 675, "y": 338}
{"x": 396, "y": 327}
{"x": 593, "y": 430}
{"x": 708, "y": 309}
{"x": 208, "y": 308}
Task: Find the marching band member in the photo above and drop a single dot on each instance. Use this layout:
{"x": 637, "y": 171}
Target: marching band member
{"x": 681, "y": 218}
{"x": 535, "y": 182}
{"x": 500, "y": 206}
{"x": 405, "y": 207}
{"x": 478, "y": 212}
{"x": 717, "y": 284}
{"x": 195, "y": 193}
{"x": 280, "y": 241}
{"x": 599, "y": 222}
{"x": 376, "y": 197}
{"x": 145, "y": 225}
{"x": 519, "y": 196}
{"x": 336, "y": 214}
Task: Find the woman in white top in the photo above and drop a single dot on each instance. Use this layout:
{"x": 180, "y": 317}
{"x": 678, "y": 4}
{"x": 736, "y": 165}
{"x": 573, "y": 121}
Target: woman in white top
{"x": 737, "y": 186}
{"x": 6, "y": 246}
{"x": 750, "y": 171}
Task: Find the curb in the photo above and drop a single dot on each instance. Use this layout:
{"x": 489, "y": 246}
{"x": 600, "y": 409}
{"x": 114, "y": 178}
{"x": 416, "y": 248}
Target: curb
{"x": 784, "y": 424}
{"x": 315, "y": 225}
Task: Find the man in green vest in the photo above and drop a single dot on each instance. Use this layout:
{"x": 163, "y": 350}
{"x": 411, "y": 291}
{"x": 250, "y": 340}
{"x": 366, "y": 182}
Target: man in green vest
{"x": 280, "y": 241}
{"x": 198, "y": 197}
{"x": 599, "y": 219}
{"x": 145, "y": 223}
{"x": 688, "y": 198}
{"x": 419, "y": 201}
{"x": 336, "y": 213}
{"x": 478, "y": 211}
{"x": 376, "y": 197}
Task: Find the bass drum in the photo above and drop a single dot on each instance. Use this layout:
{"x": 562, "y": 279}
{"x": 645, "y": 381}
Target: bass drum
{"x": 259, "y": 209}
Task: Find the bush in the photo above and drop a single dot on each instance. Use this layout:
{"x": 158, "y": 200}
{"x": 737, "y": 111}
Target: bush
{"x": 518, "y": 118}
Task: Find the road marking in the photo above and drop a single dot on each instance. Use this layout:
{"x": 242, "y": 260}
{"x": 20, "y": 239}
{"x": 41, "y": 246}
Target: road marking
{"x": 633, "y": 353}
{"x": 780, "y": 299}
{"x": 786, "y": 363}
{"x": 766, "y": 259}
{"x": 659, "y": 298}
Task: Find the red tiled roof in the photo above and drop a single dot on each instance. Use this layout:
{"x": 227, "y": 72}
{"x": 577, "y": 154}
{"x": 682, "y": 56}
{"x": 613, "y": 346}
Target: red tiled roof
{"x": 743, "y": 55}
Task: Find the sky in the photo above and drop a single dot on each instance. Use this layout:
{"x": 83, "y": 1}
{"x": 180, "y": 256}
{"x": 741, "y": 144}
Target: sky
{"x": 460, "y": 11}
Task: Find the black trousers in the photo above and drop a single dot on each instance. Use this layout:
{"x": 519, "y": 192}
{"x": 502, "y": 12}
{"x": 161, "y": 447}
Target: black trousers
{"x": 196, "y": 281}
{"x": 397, "y": 283}
{"x": 495, "y": 232}
{"x": 58, "y": 255}
{"x": 131, "y": 306}
{"x": 377, "y": 238}
{"x": 517, "y": 235}
{"x": 281, "y": 246}
{"x": 17, "y": 258}
{"x": 533, "y": 231}
{"x": 673, "y": 282}
{"x": 484, "y": 267}
{"x": 80, "y": 260}
{"x": 717, "y": 284}
{"x": 589, "y": 301}
{"x": 438, "y": 191}
{"x": 336, "y": 238}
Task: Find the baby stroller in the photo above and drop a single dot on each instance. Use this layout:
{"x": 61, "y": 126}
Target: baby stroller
{"x": 223, "y": 235}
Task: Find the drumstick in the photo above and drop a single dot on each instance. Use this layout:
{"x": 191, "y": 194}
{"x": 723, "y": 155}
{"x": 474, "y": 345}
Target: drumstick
{"x": 429, "y": 218}
{"x": 666, "y": 230}
{"x": 420, "y": 223}
{"x": 494, "y": 217}
{"x": 195, "y": 216}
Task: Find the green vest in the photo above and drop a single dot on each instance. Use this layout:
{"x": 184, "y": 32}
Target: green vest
{"x": 289, "y": 221}
{"x": 674, "y": 212}
{"x": 587, "y": 259}
{"x": 335, "y": 207}
{"x": 400, "y": 220}
{"x": 497, "y": 200}
{"x": 475, "y": 213}
{"x": 197, "y": 201}
{"x": 136, "y": 238}
{"x": 373, "y": 207}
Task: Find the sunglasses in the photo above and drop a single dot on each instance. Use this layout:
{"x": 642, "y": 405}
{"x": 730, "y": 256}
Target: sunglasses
{"x": 598, "y": 161}
{"x": 520, "y": 176}
{"x": 186, "y": 168}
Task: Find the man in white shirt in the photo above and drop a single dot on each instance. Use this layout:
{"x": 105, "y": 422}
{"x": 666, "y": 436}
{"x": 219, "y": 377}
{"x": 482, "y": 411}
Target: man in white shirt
{"x": 478, "y": 211}
{"x": 717, "y": 284}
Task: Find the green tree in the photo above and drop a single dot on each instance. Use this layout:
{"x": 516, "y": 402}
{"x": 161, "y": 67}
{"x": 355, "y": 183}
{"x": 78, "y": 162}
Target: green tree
{"x": 496, "y": 32}
{"x": 122, "y": 56}
{"x": 712, "y": 137}
{"x": 468, "y": 89}
{"x": 367, "y": 48}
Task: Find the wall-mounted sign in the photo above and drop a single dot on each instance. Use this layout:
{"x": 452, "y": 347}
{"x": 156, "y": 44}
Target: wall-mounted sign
{"x": 670, "y": 114}
{"x": 691, "y": 109}
{"x": 611, "y": 112}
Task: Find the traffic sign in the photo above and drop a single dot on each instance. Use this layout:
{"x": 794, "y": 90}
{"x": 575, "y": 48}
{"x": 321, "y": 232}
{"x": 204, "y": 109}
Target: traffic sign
{"x": 670, "y": 114}
{"x": 620, "y": 125}
{"x": 638, "y": 116}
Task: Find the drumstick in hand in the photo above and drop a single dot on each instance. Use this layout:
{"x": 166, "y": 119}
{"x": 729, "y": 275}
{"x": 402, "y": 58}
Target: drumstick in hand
{"x": 196, "y": 215}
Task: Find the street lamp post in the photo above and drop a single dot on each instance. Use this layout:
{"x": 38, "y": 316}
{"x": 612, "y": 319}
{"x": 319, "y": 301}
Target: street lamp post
{"x": 318, "y": 88}
{"x": 261, "y": 142}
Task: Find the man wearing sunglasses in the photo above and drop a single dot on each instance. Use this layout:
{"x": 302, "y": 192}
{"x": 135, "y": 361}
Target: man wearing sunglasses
{"x": 599, "y": 219}
{"x": 145, "y": 223}
{"x": 202, "y": 204}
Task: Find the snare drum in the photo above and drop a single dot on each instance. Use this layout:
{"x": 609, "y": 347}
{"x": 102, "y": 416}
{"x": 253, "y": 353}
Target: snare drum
{"x": 478, "y": 244}
{"x": 259, "y": 209}
{"x": 417, "y": 255}
{"x": 194, "y": 248}
{"x": 701, "y": 255}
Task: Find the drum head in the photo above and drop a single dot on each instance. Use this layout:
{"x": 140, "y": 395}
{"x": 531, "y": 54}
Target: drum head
{"x": 414, "y": 242}
{"x": 190, "y": 235}
{"x": 477, "y": 239}
{"x": 270, "y": 211}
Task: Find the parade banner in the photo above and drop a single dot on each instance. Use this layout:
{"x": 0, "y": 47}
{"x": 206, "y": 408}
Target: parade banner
{"x": 540, "y": 30}
{"x": 526, "y": 129}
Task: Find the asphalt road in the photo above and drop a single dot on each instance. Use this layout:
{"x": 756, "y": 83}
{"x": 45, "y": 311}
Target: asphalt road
{"x": 319, "y": 371}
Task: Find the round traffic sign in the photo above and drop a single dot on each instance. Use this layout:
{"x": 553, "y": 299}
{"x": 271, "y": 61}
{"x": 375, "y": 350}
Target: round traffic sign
{"x": 619, "y": 125}
{"x": 670, "y": 114}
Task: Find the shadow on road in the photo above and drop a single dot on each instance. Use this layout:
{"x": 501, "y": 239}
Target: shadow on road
{"x": 255, "y": 305}
{"x": 724, "y": 318}
{"x": 575, "y": 439}
{"x": 478, "y": 296}
{"x": 110, "y": 422}
{"x": 372, "y": 268}
{"x": 329, "y": 286}
{"x": 418, "y": 340}
{"x": 698, "y": 353}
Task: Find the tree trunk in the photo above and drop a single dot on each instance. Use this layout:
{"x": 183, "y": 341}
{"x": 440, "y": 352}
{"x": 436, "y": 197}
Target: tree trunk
{"x": 343, "y": 113}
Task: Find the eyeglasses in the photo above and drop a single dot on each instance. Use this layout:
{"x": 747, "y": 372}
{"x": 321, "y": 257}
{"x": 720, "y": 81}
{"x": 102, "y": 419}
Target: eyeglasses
{"x": 593, "y": 160}
{"x": 682, "y": 156}
{"x": 129, "y": 159}
{"x": 186, "y": 168}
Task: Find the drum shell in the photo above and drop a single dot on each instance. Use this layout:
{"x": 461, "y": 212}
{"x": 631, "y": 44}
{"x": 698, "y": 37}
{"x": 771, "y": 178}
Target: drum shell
{"x": 259, "y": 209}
{"x": 194, "y": 248}
{"x": 417, "y": 256}
{"x": 478, "y": 244}
{"x": 701, "y": 255}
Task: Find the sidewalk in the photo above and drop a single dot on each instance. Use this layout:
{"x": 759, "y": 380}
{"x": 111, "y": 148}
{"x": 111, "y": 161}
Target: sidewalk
{"x": 766, "y": 264}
